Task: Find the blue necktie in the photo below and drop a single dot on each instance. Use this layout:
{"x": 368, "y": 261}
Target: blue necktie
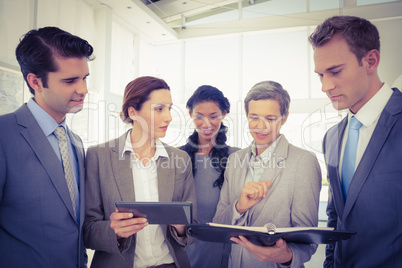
{"x": 349, "y": 155}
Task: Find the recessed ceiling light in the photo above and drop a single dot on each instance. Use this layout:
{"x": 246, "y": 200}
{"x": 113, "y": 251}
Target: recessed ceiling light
{"x": 129, "y": 7}
{"x": 148, "y": 22}
{"x": 184, "y": 3}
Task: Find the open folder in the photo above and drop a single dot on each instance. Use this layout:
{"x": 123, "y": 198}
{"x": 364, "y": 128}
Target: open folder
{"x": 267, "y": 235}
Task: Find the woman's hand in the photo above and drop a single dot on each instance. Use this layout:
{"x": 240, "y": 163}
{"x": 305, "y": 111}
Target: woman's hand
{"x": 251, "y": 194}
{"x": 124, "y": 225}
{"x": 279, "y": 253}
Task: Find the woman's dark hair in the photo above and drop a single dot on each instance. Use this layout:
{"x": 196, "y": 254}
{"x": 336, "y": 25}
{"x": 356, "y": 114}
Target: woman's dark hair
{"x": 37, "y": 50}
{"x": 137, "y": 92}
{"x": 220, "y": 152}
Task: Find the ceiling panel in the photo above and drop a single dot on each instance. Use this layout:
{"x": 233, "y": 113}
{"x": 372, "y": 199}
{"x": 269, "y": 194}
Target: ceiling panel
{"x": 166, "y": 20}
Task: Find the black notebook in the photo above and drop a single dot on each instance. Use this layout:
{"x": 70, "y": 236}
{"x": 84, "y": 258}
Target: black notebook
{"x": 267, "y": 235}
{"x": 159, "y": 212}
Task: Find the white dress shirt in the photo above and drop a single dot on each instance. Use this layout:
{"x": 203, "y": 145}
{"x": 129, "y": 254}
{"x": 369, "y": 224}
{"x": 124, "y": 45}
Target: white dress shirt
{"x": 368, "y": 115}
{"x": 151, "y": 247}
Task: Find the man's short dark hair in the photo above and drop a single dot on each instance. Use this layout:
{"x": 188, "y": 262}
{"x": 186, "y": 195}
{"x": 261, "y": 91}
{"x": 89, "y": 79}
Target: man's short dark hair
{"x": 360, "y": 34}
{"x": 37, "y": 50}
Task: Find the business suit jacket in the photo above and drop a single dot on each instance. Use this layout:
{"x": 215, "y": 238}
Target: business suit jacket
{"x": 292, "y": 198}
{"x": 374, "y": 204}
{"x": 37, "y": 226}
{"x": 109, "y": 179}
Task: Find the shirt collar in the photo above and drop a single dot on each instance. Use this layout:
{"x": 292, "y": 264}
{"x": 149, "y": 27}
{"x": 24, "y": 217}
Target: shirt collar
{"x": 45, "y": 120}
{"x": 160, "y": 150}
{"x": 267, "y": 154}
{"x": 371, "y": 111}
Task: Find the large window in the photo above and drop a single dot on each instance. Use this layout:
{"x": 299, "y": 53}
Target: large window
{"x": 234, "y": 64}
{"x": 213, "y": 62}
{"x": 122, "y": 58}
{"x": 278, "y": 56}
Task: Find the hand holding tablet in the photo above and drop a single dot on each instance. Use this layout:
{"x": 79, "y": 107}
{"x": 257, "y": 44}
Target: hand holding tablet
{"x": 159, "y": 212}
{"x": 124, "y": 225}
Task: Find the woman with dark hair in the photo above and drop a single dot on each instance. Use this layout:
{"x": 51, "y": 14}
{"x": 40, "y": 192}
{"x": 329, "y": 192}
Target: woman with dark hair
{"x": 208, "y": 152}
{"x": 137, "y": 167}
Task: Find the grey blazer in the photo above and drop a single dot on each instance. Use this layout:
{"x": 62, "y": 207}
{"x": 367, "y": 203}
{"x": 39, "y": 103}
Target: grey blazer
{"x": 292, "y": 198}
{"x": 109, "y": 179}
{"x": 37, "y": 224}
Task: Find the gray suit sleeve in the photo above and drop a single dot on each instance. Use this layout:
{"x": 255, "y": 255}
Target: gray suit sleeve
{"x": 96, "y": 229}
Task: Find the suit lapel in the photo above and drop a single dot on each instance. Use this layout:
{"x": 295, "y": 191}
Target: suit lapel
{"x": 332, "y": 154}
{"x": 277, "y": 160}
{"x": 123, "y": 174}
{"x": 377, "y": 140}
{"x": 121, "y": 168}
{"x": 79, "y": 150}
{"x": 240, "y": 164}
{"x": 166, "y": 178}
{"x": 39, "y": 143}
{"x": 242, "y": 169}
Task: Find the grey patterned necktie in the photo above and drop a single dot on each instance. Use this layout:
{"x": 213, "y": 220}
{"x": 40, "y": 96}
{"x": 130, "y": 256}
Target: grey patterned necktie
{"x": 68, "y": 173}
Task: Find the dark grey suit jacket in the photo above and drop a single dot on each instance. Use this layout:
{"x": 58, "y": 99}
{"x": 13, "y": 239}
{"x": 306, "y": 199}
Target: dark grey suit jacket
{"x": 109, "y": 179}
{"x": 374, "y": 204}
{"x": 37, "y": 226}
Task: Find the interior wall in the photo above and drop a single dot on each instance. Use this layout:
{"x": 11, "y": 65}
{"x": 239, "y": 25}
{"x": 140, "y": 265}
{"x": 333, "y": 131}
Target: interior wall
{"x": 16, "y": 18}
{"x": 390, "y": 67}
{"x": 99, "y": 121}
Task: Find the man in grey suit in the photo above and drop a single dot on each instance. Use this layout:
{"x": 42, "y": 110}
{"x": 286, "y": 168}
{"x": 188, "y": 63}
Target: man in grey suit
{"x": 271, "y": 181}
{"x": 42, "y": 184}
{"x": 363, "y": 152}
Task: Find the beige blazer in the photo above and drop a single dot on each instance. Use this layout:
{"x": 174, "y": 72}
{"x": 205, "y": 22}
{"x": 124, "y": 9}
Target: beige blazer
{"x": 109, "y": 179}
{"x": 292, "y": 199}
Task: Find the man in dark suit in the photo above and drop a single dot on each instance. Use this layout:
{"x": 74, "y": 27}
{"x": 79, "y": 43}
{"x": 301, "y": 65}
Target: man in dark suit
{"x": 363, "y": 152}
{"x": 42, "y": 184}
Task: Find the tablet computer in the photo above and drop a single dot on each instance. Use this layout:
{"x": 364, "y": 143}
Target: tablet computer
{"x": 159, "y": 212}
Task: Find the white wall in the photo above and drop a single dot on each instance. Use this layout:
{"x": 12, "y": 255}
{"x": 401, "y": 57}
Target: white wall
{"x": 120, "y": 59}
{"x": 391, "y": 44}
